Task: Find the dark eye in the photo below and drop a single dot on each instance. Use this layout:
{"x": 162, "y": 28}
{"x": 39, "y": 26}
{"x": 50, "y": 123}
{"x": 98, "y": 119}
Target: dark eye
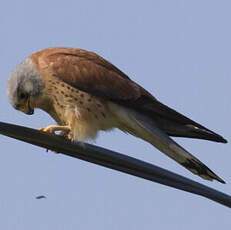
{"x": 23, "y": 95}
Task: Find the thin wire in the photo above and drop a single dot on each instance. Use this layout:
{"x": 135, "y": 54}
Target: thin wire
{"x": 113, "y": 160}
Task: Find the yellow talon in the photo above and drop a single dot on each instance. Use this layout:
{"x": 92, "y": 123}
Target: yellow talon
{"x": 51, "y": 129}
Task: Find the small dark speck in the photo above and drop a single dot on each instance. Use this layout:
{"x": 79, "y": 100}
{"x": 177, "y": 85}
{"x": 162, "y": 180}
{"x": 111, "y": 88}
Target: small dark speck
{"x": 40, "y": 197}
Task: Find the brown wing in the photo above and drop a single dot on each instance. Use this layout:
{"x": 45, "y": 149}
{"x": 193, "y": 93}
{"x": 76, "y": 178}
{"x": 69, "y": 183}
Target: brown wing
{"x": 91, "y": 73}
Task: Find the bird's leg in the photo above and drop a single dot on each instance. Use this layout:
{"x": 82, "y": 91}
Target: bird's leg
{"x": 51, "y": 129}
{"x": 64, "y": 129}
{"x": 67, "y": 134}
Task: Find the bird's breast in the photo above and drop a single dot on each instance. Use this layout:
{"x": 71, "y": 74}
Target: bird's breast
{"x": 85, "y": 113}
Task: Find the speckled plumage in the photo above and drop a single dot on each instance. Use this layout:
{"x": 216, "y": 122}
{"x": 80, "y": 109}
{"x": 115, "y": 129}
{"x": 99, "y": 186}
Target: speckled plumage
{"x": 84, "y": 93}
{"x": 85, "y": 113}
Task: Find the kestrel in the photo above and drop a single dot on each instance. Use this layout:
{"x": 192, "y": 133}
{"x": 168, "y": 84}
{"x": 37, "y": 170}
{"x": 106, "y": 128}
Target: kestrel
{"x": 84, "y": 94}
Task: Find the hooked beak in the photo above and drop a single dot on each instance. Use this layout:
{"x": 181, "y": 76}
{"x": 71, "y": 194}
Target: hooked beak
{"x": 25, "y": 108}
{"x": 30, "y": 110}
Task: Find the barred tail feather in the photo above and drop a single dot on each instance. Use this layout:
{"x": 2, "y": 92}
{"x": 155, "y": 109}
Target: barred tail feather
{"x": 145, "y": 128}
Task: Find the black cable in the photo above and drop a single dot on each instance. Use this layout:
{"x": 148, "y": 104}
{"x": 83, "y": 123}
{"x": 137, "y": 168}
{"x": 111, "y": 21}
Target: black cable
{"x": 113, "y": 160}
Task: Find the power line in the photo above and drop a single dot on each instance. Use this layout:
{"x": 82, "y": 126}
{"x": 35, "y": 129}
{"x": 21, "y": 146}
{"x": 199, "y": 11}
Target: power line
{"x": 113, "y": 160}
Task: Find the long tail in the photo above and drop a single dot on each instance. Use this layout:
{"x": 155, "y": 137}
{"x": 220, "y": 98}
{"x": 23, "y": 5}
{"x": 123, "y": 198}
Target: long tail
{"x": 145, "y": 128}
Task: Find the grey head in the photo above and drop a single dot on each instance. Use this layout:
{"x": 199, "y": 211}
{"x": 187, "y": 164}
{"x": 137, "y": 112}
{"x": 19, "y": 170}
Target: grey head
{"x": 24, "y": 86}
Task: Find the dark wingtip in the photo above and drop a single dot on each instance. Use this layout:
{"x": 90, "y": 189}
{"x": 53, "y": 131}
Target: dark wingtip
{"x": 223, "y": 140}
{"x": 215, "y": 137}
{"x": 219, "y": 138}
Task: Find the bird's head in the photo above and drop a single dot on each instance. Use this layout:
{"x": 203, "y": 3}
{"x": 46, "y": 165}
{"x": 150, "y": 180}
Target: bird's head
{"x": 25, "y": 87}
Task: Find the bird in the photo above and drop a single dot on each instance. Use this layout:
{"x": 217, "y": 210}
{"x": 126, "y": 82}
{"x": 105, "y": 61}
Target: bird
{"x": 84, "y": 93}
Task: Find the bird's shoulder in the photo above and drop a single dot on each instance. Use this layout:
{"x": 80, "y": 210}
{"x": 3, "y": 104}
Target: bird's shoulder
{"x": 87, "y": 71}
{"x": 61, "y": 57}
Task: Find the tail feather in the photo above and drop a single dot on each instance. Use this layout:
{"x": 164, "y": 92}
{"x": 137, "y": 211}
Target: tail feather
{"x": 145, "y": 128}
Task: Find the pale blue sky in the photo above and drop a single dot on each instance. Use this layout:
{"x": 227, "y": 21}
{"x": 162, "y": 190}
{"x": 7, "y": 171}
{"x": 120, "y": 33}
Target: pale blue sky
{"x": 180, "y": 51}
